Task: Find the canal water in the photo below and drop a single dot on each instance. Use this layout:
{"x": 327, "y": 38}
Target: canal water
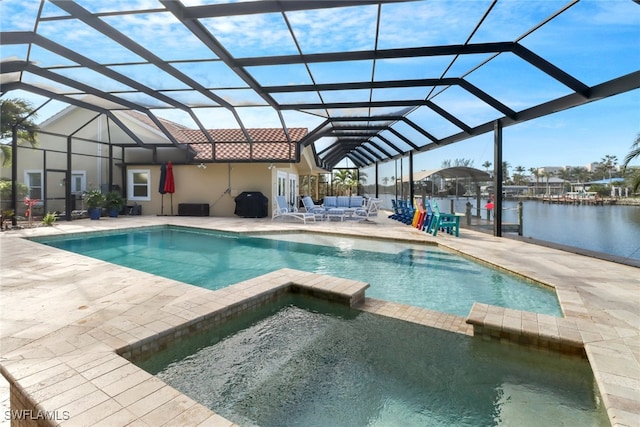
{"x": 611, "y": 229}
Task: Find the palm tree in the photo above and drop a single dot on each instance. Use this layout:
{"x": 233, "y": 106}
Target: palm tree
{"x": 486, "y": 165}
{"x": 360, "y": 179}
{"x": 565, "y": 175}
{"x": 535, "y": 172}
{"x": 505, "y": 171}
{"x": 608, "y": 164}
{"x": 344, "y": 180}
{"x": 517, "y": 176}
{"x": 547, "y": 175}
{"x": 18, "y": 113}
{"x": 634, "y": 153}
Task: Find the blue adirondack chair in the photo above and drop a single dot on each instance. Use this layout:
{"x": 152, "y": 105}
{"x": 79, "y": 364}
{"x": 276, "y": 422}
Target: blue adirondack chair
{"x": 426, "y": 224}
{"x": 396, "y": 210}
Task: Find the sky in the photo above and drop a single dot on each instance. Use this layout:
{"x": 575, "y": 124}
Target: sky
{"x": 594, "y": 40}
{"x": 575, "y": 137}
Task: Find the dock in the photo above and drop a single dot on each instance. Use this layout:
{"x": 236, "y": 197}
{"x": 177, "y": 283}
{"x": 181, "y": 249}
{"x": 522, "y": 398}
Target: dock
{"x": 570, "y": 200}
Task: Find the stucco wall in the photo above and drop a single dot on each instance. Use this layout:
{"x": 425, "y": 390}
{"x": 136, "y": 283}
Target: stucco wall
{"x": 198, "y": 185}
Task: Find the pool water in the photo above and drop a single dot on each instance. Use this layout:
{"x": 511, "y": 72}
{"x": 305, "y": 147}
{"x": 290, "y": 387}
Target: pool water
{"x": 304, "y": 362}
{"x": 423, "y": 276}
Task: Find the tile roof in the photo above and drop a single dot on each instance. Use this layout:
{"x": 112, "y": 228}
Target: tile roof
{"x": 245, "y": 151}
{"x": 231, "y": 144}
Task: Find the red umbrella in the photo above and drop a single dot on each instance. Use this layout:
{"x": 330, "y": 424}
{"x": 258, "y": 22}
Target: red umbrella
{"x": 490, "y": 204}
{"x": 161, "y": 184}
{"x": 170, "y": 185}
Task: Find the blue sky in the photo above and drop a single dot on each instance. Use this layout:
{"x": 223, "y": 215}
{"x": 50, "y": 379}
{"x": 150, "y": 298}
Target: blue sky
{"x": 594, "y": 40}
{"x": 574, "y": 137}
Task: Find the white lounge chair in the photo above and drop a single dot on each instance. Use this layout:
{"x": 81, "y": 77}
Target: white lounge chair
{"x": 311, "y": 207}
{"x": 283, "y": 210}
{"x": 369, "y": 210}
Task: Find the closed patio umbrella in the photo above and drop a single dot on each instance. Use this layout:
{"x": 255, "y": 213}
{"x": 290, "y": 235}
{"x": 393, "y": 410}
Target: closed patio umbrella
{"x": 163, "y": 181}
{"x": 169, "y": 185}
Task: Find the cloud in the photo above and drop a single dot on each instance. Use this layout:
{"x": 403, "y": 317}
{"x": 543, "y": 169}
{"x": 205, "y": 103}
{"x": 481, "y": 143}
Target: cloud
{"x": 18, "y": 15}
{"x": 251, "y": 35}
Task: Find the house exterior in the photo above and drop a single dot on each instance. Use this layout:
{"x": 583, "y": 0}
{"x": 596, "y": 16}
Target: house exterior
{"x": 92, "y": 151}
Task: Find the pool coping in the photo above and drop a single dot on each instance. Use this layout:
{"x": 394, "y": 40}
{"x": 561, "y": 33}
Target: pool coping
{"x": 60, "y": 359}
{"x": 113, "y": 389}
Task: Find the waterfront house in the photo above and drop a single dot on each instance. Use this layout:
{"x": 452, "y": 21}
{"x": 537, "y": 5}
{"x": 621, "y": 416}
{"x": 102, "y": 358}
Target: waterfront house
{"x": 105, "y": 155}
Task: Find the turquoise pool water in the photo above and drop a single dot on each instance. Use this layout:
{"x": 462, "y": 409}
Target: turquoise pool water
{"x": 303, "y": 362}
{"x": 423, "y": 276}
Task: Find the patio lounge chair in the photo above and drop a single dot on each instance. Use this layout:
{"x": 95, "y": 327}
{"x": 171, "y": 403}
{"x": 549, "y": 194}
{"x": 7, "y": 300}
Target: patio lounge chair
{"x": 283, "y": 210}
{"x": 311, "y": 207}
{"x": 369, "y": 210}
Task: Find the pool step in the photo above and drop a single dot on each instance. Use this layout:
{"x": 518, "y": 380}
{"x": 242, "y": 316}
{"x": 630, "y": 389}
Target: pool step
{"x": 545, "y": 332}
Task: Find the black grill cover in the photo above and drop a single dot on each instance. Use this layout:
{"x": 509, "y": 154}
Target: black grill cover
{"x": 252, "y": 204}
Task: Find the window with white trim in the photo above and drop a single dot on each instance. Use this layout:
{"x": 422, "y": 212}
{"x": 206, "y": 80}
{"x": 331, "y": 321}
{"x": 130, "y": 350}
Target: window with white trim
{"x": 78, "y": 181}
{"x": 139, "y": 184}
{"x": 33, "y": 180}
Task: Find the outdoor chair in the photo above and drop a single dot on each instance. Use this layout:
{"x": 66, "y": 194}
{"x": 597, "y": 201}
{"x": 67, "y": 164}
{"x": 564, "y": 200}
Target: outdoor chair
{"x": 418, "y": 218}
{"x": 406, "y": 211}
{"x": 428, "y": 218}
{"x": 444, "y": 221}
{"x": 283, "y": 210}
{"x": 396, "y": 210}
{"x": 369, "y": 210}
{"x": 311, "y": 207}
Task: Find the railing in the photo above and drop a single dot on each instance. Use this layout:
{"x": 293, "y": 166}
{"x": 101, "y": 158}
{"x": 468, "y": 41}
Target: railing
{"x": 506, "y": 227}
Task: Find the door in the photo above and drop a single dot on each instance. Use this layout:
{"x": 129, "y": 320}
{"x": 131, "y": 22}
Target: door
{"x": 292, "y": 190}
{"x": 287, "y": 186}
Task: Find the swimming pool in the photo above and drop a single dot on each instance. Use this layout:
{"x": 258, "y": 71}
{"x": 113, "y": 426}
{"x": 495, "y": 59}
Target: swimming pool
{"x": 306, "y": 362}
{"x": 423, "y": 276}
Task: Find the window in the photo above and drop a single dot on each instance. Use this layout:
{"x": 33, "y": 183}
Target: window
{"x": 78, "y": 181}
{"x": 33, "y": 180}
{"x": 138, "y": 184}
{"x": 282, "y": 183}
{"x": 293, "y": 186}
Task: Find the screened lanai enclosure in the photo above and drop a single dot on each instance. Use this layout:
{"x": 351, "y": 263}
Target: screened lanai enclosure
{"x": 371, "y": 85}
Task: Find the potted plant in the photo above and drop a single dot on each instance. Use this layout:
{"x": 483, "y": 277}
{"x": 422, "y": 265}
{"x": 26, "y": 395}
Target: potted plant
{"x": 94, "y": 200}
{"x": 114, "y": 202}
